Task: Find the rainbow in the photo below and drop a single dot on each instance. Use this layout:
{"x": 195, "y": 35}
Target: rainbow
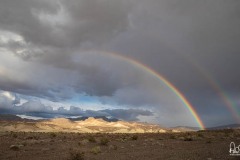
{"x": 225, "y": 98}
{"x": 214, "y": 84}
{"x": 155, "y": 74}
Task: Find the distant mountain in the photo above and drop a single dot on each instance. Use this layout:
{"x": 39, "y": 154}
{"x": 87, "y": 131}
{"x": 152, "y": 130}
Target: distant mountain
{"x": 230, "y": 126}
{"x": 89, "y": 125}
{"x": 96, "y": 117}
{"x": 186, "y": 128}
{"x": 100, "y": 124}
{"x": 10, "y": 117}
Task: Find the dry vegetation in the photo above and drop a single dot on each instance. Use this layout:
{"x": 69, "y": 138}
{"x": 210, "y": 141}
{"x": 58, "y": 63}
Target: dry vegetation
{"x": 207, "y": 145}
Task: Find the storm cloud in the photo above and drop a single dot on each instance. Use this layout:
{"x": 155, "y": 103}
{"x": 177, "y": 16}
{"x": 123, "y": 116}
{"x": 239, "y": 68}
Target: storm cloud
{"x": 9, "y": 104}
{"x": 56, "y": 51}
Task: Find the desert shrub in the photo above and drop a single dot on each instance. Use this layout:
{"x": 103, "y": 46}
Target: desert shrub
{"x": 32, "y": 137}
{"x": 134, "y": 137}
{"x": 36, "y": 137}
{"x": 14, "y": 147}
{"x": 53, "y": 135}
{"x": 181, "y": 138}
{"x": 84, "y": 142}
{"x": 91, "y": 139}
{"x": 76, "y": 155}
{"x": 160, "y": 139}
{"x": 96, "y": 150}
{"x": 188, "y": 139}
{"x": 104, "y": 141}
{"x": 200, "y": 135}
{"x": 29, "y": 137}
{"x": 172, "y": 137}
{"x": 122, "y": 140}
{"x": 14, "y": 135}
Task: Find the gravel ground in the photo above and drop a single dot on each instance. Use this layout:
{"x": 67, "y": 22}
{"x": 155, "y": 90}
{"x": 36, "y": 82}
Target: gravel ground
{"x": 208, "y": 145}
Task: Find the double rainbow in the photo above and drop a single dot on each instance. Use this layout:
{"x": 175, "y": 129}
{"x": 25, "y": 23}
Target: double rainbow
{"x": 161, "y": 78}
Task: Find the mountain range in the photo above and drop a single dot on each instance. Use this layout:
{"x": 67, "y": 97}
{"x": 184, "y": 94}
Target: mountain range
{"x": 81, "y": 125}
{"x": 99, "y": 124}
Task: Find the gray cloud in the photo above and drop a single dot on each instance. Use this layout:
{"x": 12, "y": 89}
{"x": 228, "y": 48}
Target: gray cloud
{"x": 6, "y": 103}
{"x": 34, "y": 106}
{"x": 38, "y": 109}
{"x": 130, "y": 114}
{"x": 64, "y": 23}
{"x": 46, "y": 31}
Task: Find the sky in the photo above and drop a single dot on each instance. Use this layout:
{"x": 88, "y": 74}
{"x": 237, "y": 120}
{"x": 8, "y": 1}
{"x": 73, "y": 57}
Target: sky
{"x": 64, "y": 58}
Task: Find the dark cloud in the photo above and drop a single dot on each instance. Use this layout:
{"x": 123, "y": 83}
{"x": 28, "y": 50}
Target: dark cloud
{"x": 38, "y": 109}
{"x": 20, "y": 17}
{"x": 130, "y": 114}
{"x": 64, "y": 23}
{"x": 34, "y": 106}
{"x": 50, "y": 32}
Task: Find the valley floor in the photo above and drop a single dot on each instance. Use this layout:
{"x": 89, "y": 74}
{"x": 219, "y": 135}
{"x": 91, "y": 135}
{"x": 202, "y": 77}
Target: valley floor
{"x": 208, "y": 145}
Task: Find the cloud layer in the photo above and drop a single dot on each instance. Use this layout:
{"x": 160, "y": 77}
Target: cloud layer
{"x": 10, "y": 104}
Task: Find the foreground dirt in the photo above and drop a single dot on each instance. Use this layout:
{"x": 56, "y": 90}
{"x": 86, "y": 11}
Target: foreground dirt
{"x": 202, "y": 145}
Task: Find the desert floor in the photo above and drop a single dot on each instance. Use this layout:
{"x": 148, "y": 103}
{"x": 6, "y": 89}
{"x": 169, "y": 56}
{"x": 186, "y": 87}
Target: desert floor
{"x": 209, "y": 145}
